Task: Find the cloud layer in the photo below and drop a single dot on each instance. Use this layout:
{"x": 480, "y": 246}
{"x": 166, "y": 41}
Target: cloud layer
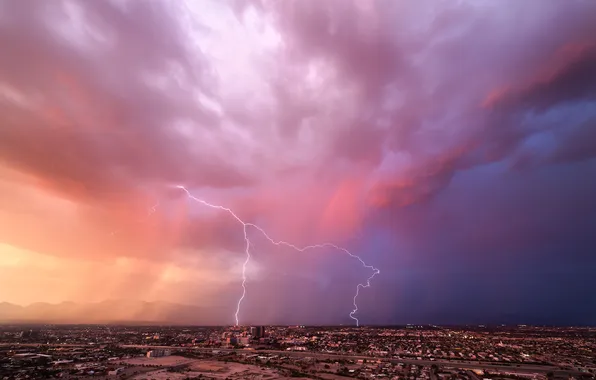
{"x": 431, "y": 137}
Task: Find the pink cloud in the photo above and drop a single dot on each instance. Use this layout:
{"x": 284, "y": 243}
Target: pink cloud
{"x": 305, "y": 117}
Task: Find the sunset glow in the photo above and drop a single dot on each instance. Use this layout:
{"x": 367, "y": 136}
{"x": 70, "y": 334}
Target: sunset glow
{"x": 450, "y": 144}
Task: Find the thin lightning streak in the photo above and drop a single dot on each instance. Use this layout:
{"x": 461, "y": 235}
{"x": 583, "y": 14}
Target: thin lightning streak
{"x": 281, "y": 243}
{"x": 302, "y": 249}
{"x": 153, "y": 209}
{"x": 151, "y": 212}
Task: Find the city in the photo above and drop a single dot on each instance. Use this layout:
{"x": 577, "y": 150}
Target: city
{"x": 274, "y": 352}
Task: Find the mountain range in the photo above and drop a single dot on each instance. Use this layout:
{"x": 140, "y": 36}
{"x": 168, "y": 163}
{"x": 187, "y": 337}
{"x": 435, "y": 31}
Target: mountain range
{"x": 112, "y": 311}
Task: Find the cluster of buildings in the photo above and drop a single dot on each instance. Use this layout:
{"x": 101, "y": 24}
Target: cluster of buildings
{"x": 243, "y": 337}
{"x": 23, "y": 361}
{"x": 571, "y": 347}
{"x": 354, "y": 368}
{"x": 398, "y": 353}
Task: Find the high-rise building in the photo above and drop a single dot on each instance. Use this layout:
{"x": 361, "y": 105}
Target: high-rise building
{"x": 257, "y": 332}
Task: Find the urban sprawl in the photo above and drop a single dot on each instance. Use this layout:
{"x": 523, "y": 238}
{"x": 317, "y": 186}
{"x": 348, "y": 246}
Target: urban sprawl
{"x": 272, "y": 352}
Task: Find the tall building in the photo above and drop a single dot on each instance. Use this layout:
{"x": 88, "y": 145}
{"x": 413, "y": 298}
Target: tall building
{"x": 257, "y": 332}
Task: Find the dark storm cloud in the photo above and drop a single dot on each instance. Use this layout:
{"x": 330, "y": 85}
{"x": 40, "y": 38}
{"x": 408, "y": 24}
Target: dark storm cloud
{"x": 493, "y": 247}
{"x": 364, "y": 52}
{"x": 577, "y": 145}
{"x": 421, "y": 82}
{"x": 574, "y": 81}
{"x": 462, "y": 130}
{"x": 559, "y": 102}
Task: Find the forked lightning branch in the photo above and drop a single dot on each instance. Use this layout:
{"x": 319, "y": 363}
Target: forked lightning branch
{"x": 245, "y": 227}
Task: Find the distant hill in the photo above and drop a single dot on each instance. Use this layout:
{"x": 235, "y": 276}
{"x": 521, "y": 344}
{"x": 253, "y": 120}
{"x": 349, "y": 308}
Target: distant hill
{"x": 113, "y": 311}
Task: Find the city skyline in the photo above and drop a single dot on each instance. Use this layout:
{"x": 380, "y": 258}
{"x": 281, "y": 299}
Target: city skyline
{"x": 449, "y": 145}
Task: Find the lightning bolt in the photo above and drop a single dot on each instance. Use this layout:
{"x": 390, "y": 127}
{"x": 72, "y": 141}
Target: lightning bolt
{"x": 245, "y": 227}
{"x": 151, "y": 211}
{"x": 327, "y": 245}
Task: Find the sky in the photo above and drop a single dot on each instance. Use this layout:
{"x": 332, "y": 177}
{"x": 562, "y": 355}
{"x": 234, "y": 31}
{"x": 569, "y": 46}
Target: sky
{"x": 450, "y": 144}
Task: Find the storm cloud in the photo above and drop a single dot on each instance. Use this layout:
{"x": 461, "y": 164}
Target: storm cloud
{"x": 439, "y": 140}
